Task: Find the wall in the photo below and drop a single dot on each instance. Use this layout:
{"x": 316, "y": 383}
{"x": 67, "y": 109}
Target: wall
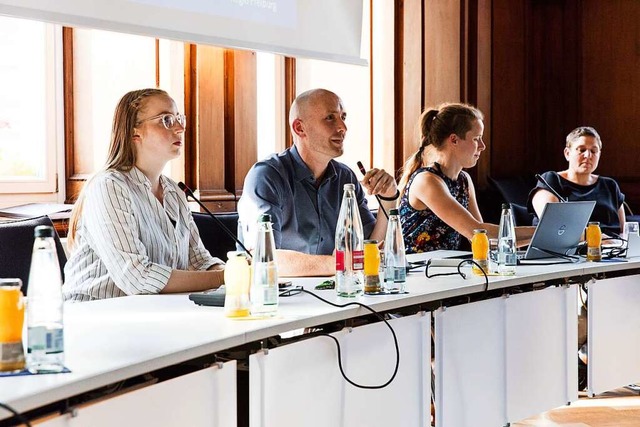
{"x": 559, "y": 64}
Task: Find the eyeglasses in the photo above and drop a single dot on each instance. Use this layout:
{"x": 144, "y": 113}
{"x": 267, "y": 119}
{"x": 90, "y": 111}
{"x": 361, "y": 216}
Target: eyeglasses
{"x": 292, "y": 291}
{"x": 168, "y": 120}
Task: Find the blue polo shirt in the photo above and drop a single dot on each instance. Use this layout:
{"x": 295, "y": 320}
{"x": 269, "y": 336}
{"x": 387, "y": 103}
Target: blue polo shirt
{"x": 304, "y": 217}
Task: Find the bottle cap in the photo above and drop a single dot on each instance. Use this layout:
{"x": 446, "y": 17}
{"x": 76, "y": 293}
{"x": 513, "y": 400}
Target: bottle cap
{"x": 393, "y": 211}
{"x": 506, "y": 206}
{"x": 234, "y": 254}
{"x": 11, "y": 282}
{"x": 372, "y": 241}
{"x": 264, "y": 218}
{"x": 349, "y": 186}
{"x": 479, "y": 230}
{"x": 594, "y": 223}
{"x": 43, "y": 231}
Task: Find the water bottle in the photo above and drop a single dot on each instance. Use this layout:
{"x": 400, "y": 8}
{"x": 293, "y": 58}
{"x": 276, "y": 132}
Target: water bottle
{"x": 45, "y": 337}
{"x": 264, "y": 285}
{"x": 349, "y": 246}
{"x": 395, "y": 269}
{"x": 507, "y": 258}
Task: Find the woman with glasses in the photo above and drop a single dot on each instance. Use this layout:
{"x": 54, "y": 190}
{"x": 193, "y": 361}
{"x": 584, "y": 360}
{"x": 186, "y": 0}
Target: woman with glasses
{"x": 131, "y": 230}
{"x": 579, "y": 183}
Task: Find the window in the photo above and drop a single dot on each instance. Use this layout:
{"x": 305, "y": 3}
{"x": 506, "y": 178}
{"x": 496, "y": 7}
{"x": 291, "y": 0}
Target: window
{"x": 30, "y": 111}
{"x": 351, "y": 84}
{"x": 106, "y": 65}
{"x": 270, "y": 93}
{"x": 367, "y": 92}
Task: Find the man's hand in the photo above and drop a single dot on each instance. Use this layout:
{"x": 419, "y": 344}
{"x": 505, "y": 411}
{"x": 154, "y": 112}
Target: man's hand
{"x": 379, "y": 182}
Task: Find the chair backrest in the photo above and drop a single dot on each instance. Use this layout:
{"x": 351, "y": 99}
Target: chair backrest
{"x": 521, "y": 214}
{"x": 16, "y": 245}
{"x": 514, "y": 190}
{"x": 214, "y": 238}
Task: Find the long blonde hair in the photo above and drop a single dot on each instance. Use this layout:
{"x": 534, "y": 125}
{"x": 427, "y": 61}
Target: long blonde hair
{"x": 435, "y": 127}
{"x": 121, "y": 155}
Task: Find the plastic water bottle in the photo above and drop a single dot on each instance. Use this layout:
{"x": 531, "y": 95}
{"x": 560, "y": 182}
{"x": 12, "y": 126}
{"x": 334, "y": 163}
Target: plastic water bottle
{"x": 395, "y": 269}
{"x": 349, "y": 246}
{"x": 264, "y": 284}
{"x": 45, "y": 336}
{"x": 507, "y": 258}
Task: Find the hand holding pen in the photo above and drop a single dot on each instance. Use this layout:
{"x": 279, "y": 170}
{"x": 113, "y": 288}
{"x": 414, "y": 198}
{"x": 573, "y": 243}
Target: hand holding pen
{"x": 376, "y": 183}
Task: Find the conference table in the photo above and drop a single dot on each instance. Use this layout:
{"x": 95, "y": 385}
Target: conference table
{"x": 501, "y": 354}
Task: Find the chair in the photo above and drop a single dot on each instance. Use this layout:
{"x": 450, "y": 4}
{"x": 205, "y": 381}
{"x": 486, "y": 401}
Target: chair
{"x": 16, "y": 246}
{"x": 214, "y": 238}
{"x": 514, "y": 190}
{"x": 630, "y": 216}
{"x": 521, "y": 214}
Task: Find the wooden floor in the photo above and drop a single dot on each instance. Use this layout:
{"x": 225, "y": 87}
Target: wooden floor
{"x": 619, "y": 408}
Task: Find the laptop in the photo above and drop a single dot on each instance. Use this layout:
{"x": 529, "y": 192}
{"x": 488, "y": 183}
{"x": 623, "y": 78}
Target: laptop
{"x": 559, "y": 230}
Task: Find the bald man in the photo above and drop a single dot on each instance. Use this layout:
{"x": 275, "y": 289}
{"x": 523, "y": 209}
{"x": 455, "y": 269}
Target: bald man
{"x": 301, "y": 188}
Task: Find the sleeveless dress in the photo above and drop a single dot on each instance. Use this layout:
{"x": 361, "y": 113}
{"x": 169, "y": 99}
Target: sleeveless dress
{"x": 422, "y": 230}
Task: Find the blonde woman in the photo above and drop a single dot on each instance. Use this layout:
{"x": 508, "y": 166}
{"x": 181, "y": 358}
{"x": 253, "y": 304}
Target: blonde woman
{"x": 438, "y": 206}
{"x": 131, "y": 231}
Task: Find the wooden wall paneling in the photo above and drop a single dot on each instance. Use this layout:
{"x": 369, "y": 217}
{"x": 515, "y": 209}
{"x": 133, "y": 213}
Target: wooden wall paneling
{"x": 442, "y": 52}
{"x": 469, "y": 51}
{"x": 409, "y": 77}
{"x": 243, "y": 139}
{"x": 289, "y": 97}
{"x": 553, "y": 68}
{"x": 469, "y": 68}
{"x": 611, "y": 87}
{"x": 208, "y": 83}
{"x": 191, "y": 112}
{"x": 78, "y": 154}
{"x": 74, "y": 181}
{"x": 508, "y": 103}
{"x": 482, "y": 97}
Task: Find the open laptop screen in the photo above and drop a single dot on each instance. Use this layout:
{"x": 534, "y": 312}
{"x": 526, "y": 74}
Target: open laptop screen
{"x": 560, "y": 229}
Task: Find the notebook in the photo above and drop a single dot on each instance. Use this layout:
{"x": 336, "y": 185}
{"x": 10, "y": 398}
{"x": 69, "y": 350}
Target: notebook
{"x": 559, "y": 230}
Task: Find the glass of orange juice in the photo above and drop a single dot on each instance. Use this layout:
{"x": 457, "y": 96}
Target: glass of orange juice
{"x": 11, "y": 321}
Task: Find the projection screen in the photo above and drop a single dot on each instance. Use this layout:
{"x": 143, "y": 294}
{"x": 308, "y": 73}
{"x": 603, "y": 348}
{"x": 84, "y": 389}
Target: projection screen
{"x": 322, "y": 29}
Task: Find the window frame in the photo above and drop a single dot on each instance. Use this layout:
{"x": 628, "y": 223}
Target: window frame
{"x": 47, "y": 188}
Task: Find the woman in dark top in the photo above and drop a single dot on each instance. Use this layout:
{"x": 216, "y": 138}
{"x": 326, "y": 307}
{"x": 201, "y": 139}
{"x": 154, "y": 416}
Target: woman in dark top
{"x": 578, "y": 182}
{"x": 438, "y": 206}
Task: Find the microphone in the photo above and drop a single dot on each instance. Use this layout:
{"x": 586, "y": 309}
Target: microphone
{"x": 364, "y": 172}
{"x": 550, "y": 189}
{"x": 189, "y": 193}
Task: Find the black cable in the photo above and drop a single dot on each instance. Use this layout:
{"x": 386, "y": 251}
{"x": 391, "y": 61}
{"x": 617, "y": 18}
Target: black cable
{"x": 16, "y": 414}
{"x": 459, "y": 272}
{"x": 379, "y": 316}
{"x": 189, "y": 193}
{"x": 565, "y": 256}
{"x": 616, "y": 251}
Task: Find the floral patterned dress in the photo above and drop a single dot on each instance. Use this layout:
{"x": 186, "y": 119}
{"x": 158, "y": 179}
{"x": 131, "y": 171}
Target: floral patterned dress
{"x": 422, "y": 230}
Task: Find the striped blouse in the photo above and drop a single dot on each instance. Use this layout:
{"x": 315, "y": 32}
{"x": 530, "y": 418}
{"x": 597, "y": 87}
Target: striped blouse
{"x": 126, "y": 241}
